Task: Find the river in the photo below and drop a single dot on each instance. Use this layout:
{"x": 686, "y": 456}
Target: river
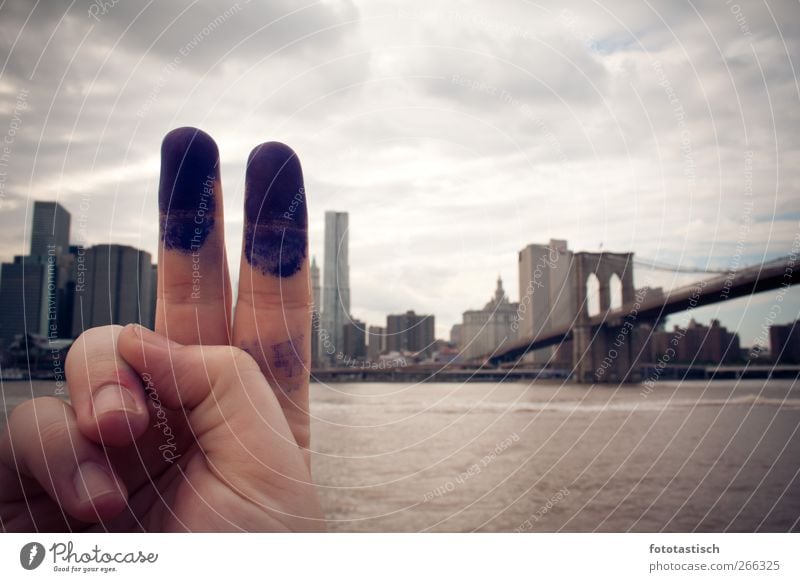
{"x": 690, "y": 456}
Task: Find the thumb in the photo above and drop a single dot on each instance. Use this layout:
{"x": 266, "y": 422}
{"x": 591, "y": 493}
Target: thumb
{"x": 232, "y": 411}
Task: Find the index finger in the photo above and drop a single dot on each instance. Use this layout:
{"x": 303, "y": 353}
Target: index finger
{"x": 194, "y": 295}
{"x": 273, "y": 309}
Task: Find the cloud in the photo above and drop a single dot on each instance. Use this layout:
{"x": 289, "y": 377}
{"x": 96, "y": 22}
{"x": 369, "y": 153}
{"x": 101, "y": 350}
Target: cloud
{"x": 454, "y": 133}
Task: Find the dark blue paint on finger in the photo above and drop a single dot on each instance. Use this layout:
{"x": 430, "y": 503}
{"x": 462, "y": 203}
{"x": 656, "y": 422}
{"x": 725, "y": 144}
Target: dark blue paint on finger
{"x": 187, "y": 189}
{"x": 276, "y": 217}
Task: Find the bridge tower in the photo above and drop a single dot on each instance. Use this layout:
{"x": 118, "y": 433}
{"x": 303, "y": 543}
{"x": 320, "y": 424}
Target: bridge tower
{"x": 597, "y": 355}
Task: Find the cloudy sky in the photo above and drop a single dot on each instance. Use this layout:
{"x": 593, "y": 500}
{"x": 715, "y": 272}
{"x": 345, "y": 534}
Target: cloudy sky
{"x": 454, "y": 133}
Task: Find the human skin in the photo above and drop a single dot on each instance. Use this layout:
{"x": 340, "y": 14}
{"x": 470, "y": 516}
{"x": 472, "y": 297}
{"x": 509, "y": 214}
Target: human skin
{"x": 203, "y": 424}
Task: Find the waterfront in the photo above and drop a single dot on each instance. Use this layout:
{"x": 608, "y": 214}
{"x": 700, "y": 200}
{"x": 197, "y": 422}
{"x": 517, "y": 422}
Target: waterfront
{"x": 704, "y": 456}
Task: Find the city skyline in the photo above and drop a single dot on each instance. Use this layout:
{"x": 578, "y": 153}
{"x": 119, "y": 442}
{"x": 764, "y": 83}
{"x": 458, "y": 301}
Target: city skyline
{"x": 561, "y": 124}
{"x": 748, "y": 326}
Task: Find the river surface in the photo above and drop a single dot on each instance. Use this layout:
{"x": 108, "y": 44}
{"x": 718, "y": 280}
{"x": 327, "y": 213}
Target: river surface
{"x": 690, "y": 456}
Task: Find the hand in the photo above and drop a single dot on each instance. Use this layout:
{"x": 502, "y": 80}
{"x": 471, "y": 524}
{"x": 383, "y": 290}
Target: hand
{"x": 181, "y": 429}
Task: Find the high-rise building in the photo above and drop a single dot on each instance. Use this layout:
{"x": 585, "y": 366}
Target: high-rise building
{"x": 484, "y": 330}
{"x": 784, "y": 343}
{"x": 316, "y": 293}
{"x": 455, "y": 334}
{"x": 23, "y": 298}
{"x": 114, "y": 287}
{"x": 354, "y": 338}
{"x": 51, "y": 223}
{"x": 35, "y": 288}
{"x": 409, "y": 332}
{"x": 546, "y": 293}
{"x": 376, "y": 343}
{"x": 336, "y": 279}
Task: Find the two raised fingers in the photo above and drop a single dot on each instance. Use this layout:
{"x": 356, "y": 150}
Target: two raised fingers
{"x": 273, "y": 315}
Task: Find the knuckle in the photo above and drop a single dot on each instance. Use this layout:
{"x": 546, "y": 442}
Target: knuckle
{"x": 52, "y": 435}
{"x": 94, "y": 345}
{"x": 37, "y": 414}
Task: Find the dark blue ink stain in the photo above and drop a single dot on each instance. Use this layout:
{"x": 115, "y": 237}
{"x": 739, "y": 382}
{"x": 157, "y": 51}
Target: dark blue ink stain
{"x": 186, "y": 193}
{"x": 288, "y": 363}
{"x": 276, "y": 217}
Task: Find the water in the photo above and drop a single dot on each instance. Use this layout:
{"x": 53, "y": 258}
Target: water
{"x": 718, "y": 456}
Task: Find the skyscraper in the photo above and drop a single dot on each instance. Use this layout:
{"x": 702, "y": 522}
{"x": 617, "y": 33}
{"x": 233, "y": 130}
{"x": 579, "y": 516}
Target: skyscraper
{"x": 23, "y": 298}
{"x": 546, "y": 292}
{"x": 336, "y": 278}
{"x": 35, "y": 288}
{"x": 316, "y": 292}
{"x": 114, "y": 287}
{"x": 354, "y": 336}
{"x": 51, "y": 223}
{"x": 377, "y": 342}
{"x": 409, "y": 332}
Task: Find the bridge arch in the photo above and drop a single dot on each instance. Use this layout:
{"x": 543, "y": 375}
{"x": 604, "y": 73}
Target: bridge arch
{"x": 604, "y": 266}
{"x": 615, "y": 291}
{"x": 592, "y": 291}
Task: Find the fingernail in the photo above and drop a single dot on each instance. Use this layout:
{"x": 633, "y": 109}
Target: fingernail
{"x": 276, "y": 218}
{"x": 93, "y": 481}
{"x": 150, "y": 337}
{"x": 113, "y": 398}
{"x": 186, "y": 192}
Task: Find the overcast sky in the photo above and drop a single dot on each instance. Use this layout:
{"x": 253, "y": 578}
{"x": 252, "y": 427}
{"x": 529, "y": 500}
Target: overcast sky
{"x": 454, "y": 133}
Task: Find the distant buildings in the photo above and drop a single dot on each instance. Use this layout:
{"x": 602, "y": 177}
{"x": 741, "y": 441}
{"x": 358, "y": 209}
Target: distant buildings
{"x": 58, "y": 291}
{"x": 484, "y": 330}
{"x": 336, "y": 280}
{"x": 784, "y": 343}
{"x": 409, "y": 332}
{"x": 696, "y": 343}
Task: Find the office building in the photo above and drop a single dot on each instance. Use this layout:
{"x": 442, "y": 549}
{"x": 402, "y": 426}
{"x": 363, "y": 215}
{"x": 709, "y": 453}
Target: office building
{"x": 696, "y": 343}
{"x": 455, "y": 334}
{"x": 50, "y": 229}
{"x": 316, "y": 293}
{"x": 376, "y": 342}
{"x": 113, "y": 285}
{"x": 336, "y": 279}
{"x": 354, "y": 340}
{"x": 35, "y": 289}
{"x": 547, "y": 298}
{"x": 23, "y": 298}
{"x": 409, "y": 332}
{"x": 484, "y": 330}
{"x": 784, "y": 343}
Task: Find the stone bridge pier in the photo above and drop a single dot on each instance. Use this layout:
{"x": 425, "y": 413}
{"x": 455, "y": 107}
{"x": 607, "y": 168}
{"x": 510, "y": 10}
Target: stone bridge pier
{"x": 605, "y": 353}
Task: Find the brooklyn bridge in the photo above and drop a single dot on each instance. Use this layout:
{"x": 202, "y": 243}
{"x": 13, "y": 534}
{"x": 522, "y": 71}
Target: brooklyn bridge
{"x": 598, "y": 355}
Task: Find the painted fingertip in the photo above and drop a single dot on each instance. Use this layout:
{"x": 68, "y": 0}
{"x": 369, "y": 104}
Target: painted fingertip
{"x": 276, "y": 216}
{"x": 187, "y": 188}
